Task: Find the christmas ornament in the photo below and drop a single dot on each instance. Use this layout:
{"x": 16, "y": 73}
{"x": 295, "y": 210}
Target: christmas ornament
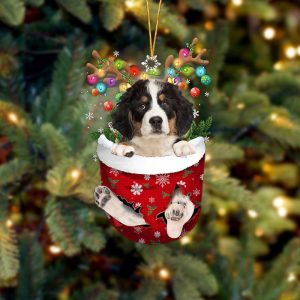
{"x": 144, "y": 76}
{"x": 206, "y": 80}
{"x": 154, "y": 72}
{"x": 119, "y": 64}
{"x": 182, "y": 85}
{"x": 108, "y": 105}
{"x": 151, "y": 63}
{"x": 171, "y": 72}
{"x": 187, "y": 71}
{"x": 177, "y": 63}
{"x": 200, "y": 71}
{"x": 92, "y": 79}
{"x": 101, "y": 87}
{"x": 100, "y": 73}
{"x": 185, "y": 52}
{"x": 177, "y": 80}
{"x": 118, "y": 97}
{"x": 134, "y": 70}
{"x": 124, "y": 86}
{"x": 195, "y": 92}
{"x": 110, "y": 81}
{"x": 95, "y": 92}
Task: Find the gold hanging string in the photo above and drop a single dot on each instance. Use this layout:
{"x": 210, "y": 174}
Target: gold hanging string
{"x": 152, "y": 43}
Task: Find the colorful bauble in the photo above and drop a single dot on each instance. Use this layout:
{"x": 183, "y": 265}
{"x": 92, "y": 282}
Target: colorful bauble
{"x": 92, "y": 79}
{"x": 206, "y": 80}
{"x": 95, "y": 92}
{"x": 171, "y": 72}
{"x": 134, "y": 70}
{"x": 119, "y": 63}
{"x": 182, "y": 85}
{"x": 187, "y": 71}
{"x": 124, "y": 86}
{"x": 177, "y": 80}
{"x": 200, "y": 71}
{"x": 118, "y": 97}
{"x": 184, "y": 52}
{"x": 108, "y": 105}
{"x": 101, "y": 87}
{"x": 195, "y": 92}
{"x": 110, "y": 81}
{"x": 154, "y": 72}
{"x": 144, "y": 76}
{"x": 101, "y": 73}
{"x": 177, "y": 63}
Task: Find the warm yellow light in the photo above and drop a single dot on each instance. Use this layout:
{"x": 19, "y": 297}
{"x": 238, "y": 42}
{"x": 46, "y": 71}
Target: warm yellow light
{"x": 209, "y": 25}
{"x": 144, "y": 76}
{"x": 267, "y": 168}
{"x": 9, "y": 223}
{"x": 269, "y": 33}
{"x": 259, "y": 232}
{"x": 290, "y": 52}
{"x": 185, "y": 240}
{"x": 278, "y": 65}
{"x": 273, "y": 116}
{"x": 164, "y": 274}
{"x": 54, "y": 249}
{"x": 278, "y": 201}
{"x": 75, "y": 173}
{"x": 130, "y": 3}
{"x": 13, "y": 117}
{"x": 222, "y": 211}
{"x": 240, "y": 105}
{"x": 252, "y": 213}
{"x": 298, "y": 50}
{"x": 208, "y": 157}
{"x": 291, "y": 277}
{"x": 237, "y": 2}
{"x": 282, "y": 212}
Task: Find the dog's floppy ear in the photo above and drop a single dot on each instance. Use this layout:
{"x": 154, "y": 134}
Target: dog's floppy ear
{"x": 184, "y": 114}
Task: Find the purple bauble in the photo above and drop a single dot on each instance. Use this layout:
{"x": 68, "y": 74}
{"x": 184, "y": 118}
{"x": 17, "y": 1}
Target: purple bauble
{"x": 111, "y": 82}
{"x": 177, "y": 80}
{"x": 92, "y": 79}
{"x": 184, "y": 52}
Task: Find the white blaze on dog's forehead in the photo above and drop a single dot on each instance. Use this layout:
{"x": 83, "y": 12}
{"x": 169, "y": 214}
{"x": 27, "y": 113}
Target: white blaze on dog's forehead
{"x": 153, "y": 88}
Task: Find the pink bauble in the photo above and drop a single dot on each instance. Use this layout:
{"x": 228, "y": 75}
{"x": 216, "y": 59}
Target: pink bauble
{"x": 184, "y": 52}
{"x": 92, "y": 79}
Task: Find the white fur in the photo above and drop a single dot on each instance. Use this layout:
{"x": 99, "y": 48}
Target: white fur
{"x": 121, "y": 150}
{"x": 183, "y": 148}
{"x": 155, "y": 111}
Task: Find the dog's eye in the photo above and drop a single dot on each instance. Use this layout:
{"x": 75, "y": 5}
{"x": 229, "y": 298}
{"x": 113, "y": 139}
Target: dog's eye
{"x": 143, "y": 106}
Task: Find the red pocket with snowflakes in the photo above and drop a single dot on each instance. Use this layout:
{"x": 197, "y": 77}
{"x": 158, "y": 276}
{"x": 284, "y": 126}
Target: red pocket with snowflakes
{"x": 146, "y": 185}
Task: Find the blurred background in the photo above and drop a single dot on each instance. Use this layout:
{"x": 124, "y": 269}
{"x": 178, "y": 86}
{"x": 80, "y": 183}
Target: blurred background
{"x": 55, "y": 243}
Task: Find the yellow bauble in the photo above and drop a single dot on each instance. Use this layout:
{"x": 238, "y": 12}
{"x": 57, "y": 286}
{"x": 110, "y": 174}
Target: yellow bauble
{"x": 101, "y": 73}
{"x": 177, "y": 63}
{"x": 124, "y": 86}
{"x": 171, "y": 80}
{"x": 144, "y": 76}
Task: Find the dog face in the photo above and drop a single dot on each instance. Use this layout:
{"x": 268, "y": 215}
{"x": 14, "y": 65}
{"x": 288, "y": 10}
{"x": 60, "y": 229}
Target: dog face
{"x": 151, "y": 108}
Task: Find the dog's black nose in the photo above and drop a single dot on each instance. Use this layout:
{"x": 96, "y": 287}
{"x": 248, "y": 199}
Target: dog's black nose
{"x": 156, "y": 122}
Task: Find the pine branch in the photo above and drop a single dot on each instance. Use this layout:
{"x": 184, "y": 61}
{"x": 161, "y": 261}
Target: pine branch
{"x": 149, "y": 290}
{"x": 94, "y": 292}
{"x": 12, "y": 12}
{"x": 199, "y": 129}
{"x": 112, "y": 13}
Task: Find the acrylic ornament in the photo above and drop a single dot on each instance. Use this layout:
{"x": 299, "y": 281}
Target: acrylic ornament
{"x": 200, "y": 71}
{"x": 206, "y": 80}
{"x": 195, "y": 92}
{"x": 101, "y": 87}
{"x": 92, "y": 79}
{"x": 108, "y": 105}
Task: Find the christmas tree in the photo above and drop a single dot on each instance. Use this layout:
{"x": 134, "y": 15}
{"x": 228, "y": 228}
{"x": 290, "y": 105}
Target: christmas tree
{"x": 56, "y": 244}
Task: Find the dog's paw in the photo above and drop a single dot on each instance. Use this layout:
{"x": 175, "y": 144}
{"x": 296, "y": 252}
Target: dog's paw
{"x": 183, "y": 148}
{"x": 175, "y": 212}
{"x": 123, "y": 150}
{"x": 102, "y": 195}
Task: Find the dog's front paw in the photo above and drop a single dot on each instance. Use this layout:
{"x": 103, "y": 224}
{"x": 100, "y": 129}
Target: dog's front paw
{"x": 183, "y": 148}
{"x": 102, "y": 195}
{"x": 123, "y": 150}
{"x": 174, "y": 212}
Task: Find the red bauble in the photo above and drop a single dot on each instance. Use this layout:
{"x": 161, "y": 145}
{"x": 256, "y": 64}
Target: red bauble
{"x": 195, "y": 92}
{"x": 108, "y": 105}
{"x": 134, "y": 70}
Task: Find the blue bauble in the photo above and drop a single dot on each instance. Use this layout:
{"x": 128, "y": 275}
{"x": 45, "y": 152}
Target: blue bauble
{"x": 171, "y": 72}
{"x": 101, "y": 87}
{"x": 206, "y": 80}
{"x": 200, "y": 71}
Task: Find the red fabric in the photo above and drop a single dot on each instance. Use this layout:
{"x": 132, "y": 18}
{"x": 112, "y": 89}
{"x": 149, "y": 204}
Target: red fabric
{"x": 150, "y": 195}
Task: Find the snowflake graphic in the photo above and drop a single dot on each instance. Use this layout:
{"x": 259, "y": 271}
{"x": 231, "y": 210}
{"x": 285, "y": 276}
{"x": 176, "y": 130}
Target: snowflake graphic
{"x": 188, "y": 81}
{"x": 100, "y": 130}
{"x": 114, "y": 172}
{"x": 141, "y": 241}
{"x": 196, "y": 192}
{"x": 136, "y": 189}
{"x": 89, "y": 116}
{"x": 151, "y": 199}
{"x": 202, "y": 177}
{"x": 162, "y": 180}
{"x": 95, "y": 157}
{"x": 151, "y": 63}
{"x": 157, "y": 234}
{"x": 206, "y": 139}
{"x": 195, "y": 113}
{"x": 181, "y": 183}
{"x": 147, "y": 177}
{"x": 206, "y": 94}
{"x": 116, "y": 53}
{"x": 138, "y": 230}
{"x": 138, "y": 204}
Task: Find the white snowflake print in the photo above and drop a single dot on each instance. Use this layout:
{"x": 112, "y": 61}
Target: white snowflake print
{"x": 89, "y": 116}
{"x": 116, "y": 53}
{"x": 206, "y": 139}
{"x": 151, "y": 199}
{"x": 196, "y": 192}
{"x": 141, "y": 241}
{"x": 162, "y": 180}
{"x": 100, "y": 130}
{"x": 114, "y": 172}
{"x": 202, "y": 177}
{"x": 206, "y": 94}
{"x": 181, "y": 183}
{"x": 188, "y": 81}
{"x": 195, "y": 113}
{"x": 196, "y": 165}
{"x": 138, "y": 230}
{"x": 151, "y": 63}
{"x": 147, "y": 177}
{"x": 136, "y": 189}
{"x": 157, "y": 234}
{"x": 95, "y": 157}
{"x": 138, "y": 204}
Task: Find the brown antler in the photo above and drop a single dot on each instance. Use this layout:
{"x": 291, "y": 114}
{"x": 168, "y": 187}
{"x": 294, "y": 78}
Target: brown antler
{"x": 108, "y": 66}
{"x": 189, "y": 59}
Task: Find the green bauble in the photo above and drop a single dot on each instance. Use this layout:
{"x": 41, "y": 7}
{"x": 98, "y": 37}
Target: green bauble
{"x": 154, "y": 72}
{"x": 206, "y": 80}
{"x": 119, "y": 64}
{"x": 187, "y": 71}
{"x": 118, "y": 97}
